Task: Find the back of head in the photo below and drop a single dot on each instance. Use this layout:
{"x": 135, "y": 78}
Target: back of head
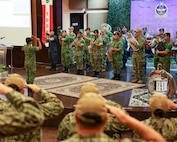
{"x": 158, "y": 104}
{"x": 89, "y": 88}
{"x": 91, "y": 111}
{"x": 167, "y": 34}
{"x": 96, "y": 31}
{"x": 15, "y": 81}
{"x": 28, "y": 40}
{"x": 161, "y": 30}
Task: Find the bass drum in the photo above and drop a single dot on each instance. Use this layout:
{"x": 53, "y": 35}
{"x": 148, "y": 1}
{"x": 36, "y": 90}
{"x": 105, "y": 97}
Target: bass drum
{"x": 160, "y": 81}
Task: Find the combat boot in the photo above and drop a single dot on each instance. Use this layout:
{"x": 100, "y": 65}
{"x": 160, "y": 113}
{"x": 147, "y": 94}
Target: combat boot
{"x": 117, "y": 77}
{"x": 87, "y": 67}
{"x": 80, "y": 72}
{"x": 98, "y": 74}
{"x": 94, "y": 74}
{"x": 66, "y": 70}
{"x": 114, "y": 77}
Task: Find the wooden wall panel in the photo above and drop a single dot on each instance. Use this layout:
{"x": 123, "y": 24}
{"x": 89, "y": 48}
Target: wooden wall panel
{"x": 98, "y": 4}
{"x": 96, "y": 19}
{"x": 77, "y": 4}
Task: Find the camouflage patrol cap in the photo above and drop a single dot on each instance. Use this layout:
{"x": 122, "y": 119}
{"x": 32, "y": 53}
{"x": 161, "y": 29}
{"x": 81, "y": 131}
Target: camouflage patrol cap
{"x": 158, "y": 101}
{"x": 90, "y": 103}
{"x": 89, "y": 88}
{"x": 15, "y": 79}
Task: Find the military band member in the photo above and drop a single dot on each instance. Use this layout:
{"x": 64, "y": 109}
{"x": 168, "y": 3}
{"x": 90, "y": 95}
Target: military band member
{"x": 165, "y": 59}
{"x": 138, "y": 57}
{"x": 161, "y": 33}
{"x": 96, "y": 44}
{"x": 116, "y": 48}
{"x": 106, "y": 40}
{"x": 79, "y": 43}
{"x": 65, "y": 51}
{"x": 123, "y": 51}
{"x": 87, "y": 37}
{"x": 160, "y": 38}
{"x": 72, "y": 37}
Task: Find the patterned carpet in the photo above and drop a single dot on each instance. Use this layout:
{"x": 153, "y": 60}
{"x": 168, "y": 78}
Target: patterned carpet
{"x": 139, "y": 98}
{"x": 106, "y": 86}
{"x": 60, "y": 79}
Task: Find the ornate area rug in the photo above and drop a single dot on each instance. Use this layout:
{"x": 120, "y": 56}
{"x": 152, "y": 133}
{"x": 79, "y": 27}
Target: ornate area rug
{"x": 139, "y": 98}
{"x": 106, "y": 87}
{"x": 60, "y": 79}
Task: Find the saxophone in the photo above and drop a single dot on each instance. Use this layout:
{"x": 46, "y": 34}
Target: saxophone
{"x": 109, "y": 55}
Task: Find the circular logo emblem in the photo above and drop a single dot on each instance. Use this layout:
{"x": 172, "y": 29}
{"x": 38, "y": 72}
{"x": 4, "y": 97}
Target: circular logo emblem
{"x": 161, "y": 10}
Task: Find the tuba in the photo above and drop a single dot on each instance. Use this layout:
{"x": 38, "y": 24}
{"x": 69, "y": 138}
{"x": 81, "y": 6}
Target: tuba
{"x": 106, "y": 27}
{"x": 130, "y": 38}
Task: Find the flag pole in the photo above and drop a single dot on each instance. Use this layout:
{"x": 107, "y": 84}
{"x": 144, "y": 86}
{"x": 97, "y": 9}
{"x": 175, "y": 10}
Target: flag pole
{"x": 34, "y": 19}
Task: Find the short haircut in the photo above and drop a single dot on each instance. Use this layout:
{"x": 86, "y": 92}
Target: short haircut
{"x": 96, "y": 31}
{"x": 96, "y": 121}
{"x": 116, "y": 33}
{"x": 28, "y": 40}
{"x": 87, "y": 29}
{"x": 15, "y": 87}
{"x": 167, "y": 34}
{"x": 162, "y": 29}
{"x": 79, "y": 32}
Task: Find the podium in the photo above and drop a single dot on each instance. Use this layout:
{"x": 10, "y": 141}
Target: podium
{"x": 3, "y": 65}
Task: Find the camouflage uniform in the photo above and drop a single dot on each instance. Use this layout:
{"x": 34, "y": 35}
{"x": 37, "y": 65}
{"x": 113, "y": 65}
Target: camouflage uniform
{"x": 67, "y": 127}
{"x": 19, "y": 114}
{"x": 86, "y": 53}
{"x": 138, "y": 59}
{"x": 72, "y": 36}
{"x": 93, "y": 138}
{"x": 103, "y": 50}
{"x": 166, "y": 127}
{"x": 30, "y": 62}
{"x": 65, "y": 52}
{"x": 156, "y": 57}
{"x": 117, "y": 56}
{"x": 96, "y": 55}
{"x": 50, "y": 106}
{"x": 79, "y": 54}
{"x": 124, "y": 47}
{"x": 165, "y": 61}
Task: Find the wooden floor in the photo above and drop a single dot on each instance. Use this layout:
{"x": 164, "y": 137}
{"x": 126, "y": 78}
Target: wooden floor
{"x": 50, "y": 126}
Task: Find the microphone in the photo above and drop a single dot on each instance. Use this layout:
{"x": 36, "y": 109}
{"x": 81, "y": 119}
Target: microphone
{"x": 2, "y": 37}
